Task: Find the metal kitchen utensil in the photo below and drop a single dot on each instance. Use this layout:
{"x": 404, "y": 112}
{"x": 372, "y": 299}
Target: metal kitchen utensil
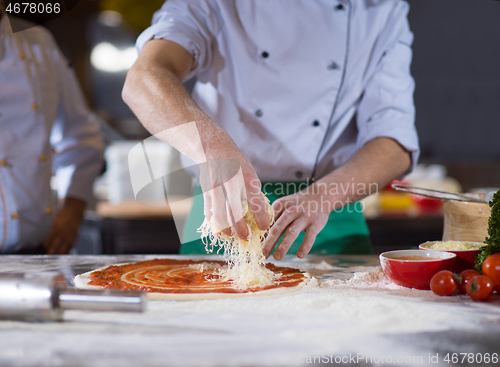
{"x": 437, "y": 194}
{"x": 45, "y": 296}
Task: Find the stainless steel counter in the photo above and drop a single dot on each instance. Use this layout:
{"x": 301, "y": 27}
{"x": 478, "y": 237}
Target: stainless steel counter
{"x": 325, "y": 322}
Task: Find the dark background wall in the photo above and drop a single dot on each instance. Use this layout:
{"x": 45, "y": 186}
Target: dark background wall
{"x": 456, "y": 66}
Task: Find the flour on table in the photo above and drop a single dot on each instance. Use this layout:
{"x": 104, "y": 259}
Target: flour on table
{"x": 324, "y": 266}
{"x": 372, "y": 277}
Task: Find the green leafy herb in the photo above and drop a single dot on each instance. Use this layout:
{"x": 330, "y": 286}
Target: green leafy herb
{"x": 493, "y": 241}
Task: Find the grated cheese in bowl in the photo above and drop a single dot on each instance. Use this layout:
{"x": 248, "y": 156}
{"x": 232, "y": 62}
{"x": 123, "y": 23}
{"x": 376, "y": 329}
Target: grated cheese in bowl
{"x": 453, "y": 245}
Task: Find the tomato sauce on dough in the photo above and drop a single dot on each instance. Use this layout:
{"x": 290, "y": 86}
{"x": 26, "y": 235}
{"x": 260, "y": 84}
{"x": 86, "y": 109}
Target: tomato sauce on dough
{"x": 182, "y": 276}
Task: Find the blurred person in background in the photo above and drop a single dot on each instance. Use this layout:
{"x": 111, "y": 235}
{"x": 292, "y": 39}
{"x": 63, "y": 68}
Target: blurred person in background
{"x": 46, "y": 128}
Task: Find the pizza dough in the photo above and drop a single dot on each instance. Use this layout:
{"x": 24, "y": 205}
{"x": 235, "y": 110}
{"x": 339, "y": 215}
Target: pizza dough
{"x": 171, "y": 279}
{"x": 243, "y": 274}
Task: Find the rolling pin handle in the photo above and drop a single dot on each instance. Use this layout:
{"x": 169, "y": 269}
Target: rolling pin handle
{"x": 106, "y": 300}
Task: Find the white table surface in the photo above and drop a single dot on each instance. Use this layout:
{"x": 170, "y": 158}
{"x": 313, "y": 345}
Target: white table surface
{"x": 335, "y": 324}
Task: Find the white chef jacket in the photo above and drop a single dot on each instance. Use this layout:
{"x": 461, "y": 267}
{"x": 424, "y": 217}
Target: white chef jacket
{"x": 45, "y": 127}
{"x": 298, "y": 83}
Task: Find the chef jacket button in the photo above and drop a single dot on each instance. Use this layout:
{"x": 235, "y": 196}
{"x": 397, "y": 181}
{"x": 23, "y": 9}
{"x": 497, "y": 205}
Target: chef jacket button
{"x": 316, "y": 123}
{"x": 42, "y": 158}
{"x": 22, "y": 56}
{"x": 34, "y": 106}
{"x": 3, "y": 162}
{"x": 265, "y": 54}
{"x": 48, "y": 210}
{"x": 299, "y": 174}
{"x": 333, "y": 66}
{"x": 258, "y": 113}
{"x": 339, "y": 7}
{"x": 14, "y": 215}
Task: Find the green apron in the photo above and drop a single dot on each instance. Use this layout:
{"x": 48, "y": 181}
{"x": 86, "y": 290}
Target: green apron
{"x": 346, "y": 231}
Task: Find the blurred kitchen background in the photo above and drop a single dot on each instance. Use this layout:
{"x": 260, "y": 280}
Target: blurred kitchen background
{"x": 456, "y": 69}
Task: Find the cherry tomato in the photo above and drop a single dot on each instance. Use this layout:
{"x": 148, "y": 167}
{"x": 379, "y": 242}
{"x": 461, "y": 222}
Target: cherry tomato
{"x": 480, "y": 288}
{"x": 464, "y": 278}
{"x": 443, "y": 283}
{"x": 491, "y": 268}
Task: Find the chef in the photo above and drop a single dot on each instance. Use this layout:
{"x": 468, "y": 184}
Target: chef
{"x": 45, "y": 127}
{"x": 312, "y": 100}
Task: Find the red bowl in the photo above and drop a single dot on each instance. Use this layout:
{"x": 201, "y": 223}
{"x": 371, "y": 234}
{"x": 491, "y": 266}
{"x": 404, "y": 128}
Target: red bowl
{"x": 415, "y": 273}
{"x": 465, "y": 258}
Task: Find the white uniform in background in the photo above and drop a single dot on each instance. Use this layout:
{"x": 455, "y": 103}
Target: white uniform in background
{"x": 45, "y": 128}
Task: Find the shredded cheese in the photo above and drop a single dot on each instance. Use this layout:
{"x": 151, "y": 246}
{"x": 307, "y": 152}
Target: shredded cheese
{"x": 456, "y": 245}
{"x": 209, "y": 269}
{"x": 245, "y": 259}
{"x": 206, "y": 267}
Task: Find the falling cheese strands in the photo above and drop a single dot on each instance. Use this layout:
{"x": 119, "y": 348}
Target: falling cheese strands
{"x": 246, "y": 266}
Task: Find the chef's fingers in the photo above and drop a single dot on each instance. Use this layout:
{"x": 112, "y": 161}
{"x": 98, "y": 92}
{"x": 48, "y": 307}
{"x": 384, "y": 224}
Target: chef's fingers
{"x": 65, "y": 243}
{"x": 278, "y": 228}
{"x": 53, "y": 246}
{"x": 270, "y": 241}
{"x": 235, "y": 210}
{"x": 60, "y": 245}
{"x": 207, "y": 206}
{"x": 219, "y": 210}
{"x": 240, "y": 227}
{"x": 57, "y": 247}
{"x": 311, "y": 234}
{"x": 281, "y": 205}
{"x": 48, "y": 240}
{"x": 257, "y": 203}
{"x": 235, "y": 195}
{"x": 65, "y": 248}
{"x": 52, "y": 238}
{"x": 291, "y": 234}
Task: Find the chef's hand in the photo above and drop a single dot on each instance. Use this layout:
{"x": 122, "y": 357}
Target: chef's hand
{"x": 226, "y": 183}
{"x": 64, "y": 230}
{"x": 306, "y": 211}
{"x": 155, "y": 93}
{"x": 374, "y": 165}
